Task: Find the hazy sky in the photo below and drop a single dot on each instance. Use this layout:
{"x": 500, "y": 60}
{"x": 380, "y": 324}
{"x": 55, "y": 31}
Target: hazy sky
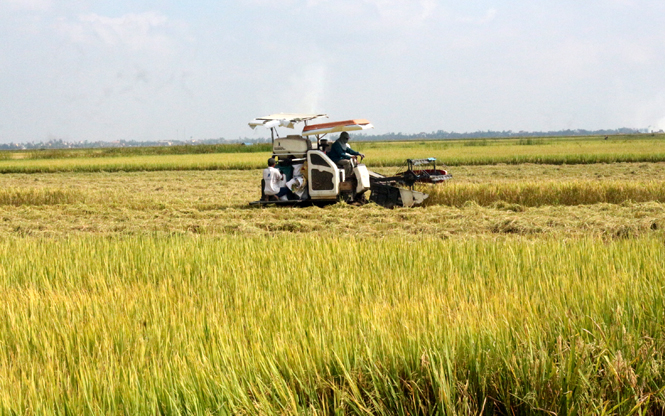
{"x": 167, "y": 69}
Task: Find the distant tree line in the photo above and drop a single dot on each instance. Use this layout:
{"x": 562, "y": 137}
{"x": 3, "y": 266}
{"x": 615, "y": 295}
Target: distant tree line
{"x": 439, "y": 134}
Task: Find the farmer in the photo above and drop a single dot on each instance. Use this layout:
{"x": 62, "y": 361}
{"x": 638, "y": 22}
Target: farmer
{"x": 343, "y": 155}
{"x": 273, "y": 181}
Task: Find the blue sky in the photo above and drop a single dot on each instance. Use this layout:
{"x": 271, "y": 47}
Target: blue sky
{"x": 163, "y": 69}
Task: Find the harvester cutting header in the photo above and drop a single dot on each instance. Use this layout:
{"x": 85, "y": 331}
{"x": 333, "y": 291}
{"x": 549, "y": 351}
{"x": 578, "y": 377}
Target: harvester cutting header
{"x": 304, "y": 171}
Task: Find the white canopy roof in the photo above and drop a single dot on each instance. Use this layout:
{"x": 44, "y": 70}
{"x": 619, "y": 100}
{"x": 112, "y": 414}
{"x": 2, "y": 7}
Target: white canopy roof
{"x": 283, "y": 120}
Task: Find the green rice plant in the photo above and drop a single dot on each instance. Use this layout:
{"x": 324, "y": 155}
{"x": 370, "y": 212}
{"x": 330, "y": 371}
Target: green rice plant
{"x": 529, "y": 141}
{"x": 326, "y": 325}
{"x": 477, "y": 142}
{"x": 534, "y": 193}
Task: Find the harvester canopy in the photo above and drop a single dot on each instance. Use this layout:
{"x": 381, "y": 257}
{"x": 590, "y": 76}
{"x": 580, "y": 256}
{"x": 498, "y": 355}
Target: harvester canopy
{"x": 336, "y": 127}
{"x": 288, "y": 120}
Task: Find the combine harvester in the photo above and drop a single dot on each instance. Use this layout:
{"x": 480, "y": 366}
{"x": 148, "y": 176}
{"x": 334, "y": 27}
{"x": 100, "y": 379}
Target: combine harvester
{"x": 317, "y": 180}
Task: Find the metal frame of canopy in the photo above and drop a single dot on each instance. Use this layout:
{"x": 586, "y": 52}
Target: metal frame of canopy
{"x": 288, "y": 120}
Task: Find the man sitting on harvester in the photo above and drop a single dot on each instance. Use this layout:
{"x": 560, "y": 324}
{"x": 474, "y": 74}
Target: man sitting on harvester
{"x": 342, "y": 154}
{"x": 274, "y": 187}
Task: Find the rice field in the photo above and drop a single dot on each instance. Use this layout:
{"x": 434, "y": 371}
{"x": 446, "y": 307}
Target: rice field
{"x": 330, "y": 325}
{"x": 379, "y": 154}
{"x": 540, "y": 193}
{"x": 520, "y": 288}
{"x": 216, "y": 203}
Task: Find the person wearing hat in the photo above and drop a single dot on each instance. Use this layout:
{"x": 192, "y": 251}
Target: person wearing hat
{"x": 343, "y": 155}
{"x": 273, "y": 180}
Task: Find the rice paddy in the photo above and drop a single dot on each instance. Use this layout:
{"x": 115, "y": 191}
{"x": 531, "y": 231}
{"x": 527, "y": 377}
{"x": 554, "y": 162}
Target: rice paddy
{"x": 520, "y": 288}
{"x": 539, "y": 193}
{"x": 147, "y": 325}
{"x": 380, "y": 154}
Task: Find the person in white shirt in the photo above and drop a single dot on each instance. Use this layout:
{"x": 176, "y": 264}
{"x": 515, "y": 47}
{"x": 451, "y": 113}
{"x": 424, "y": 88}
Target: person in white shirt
{"x": 274, "y": 182}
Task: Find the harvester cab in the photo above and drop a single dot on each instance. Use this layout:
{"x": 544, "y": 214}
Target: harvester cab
{"x": 313, "y": 178}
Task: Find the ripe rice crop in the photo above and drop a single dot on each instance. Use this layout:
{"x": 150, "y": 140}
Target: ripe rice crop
{"x": 555, "y": 151}
{"x": 382, "y": 154}
{"x": 539, "y": 193}
{"x": 471, "y": 159}
{"x": 312, "y": 325}
{"x": 216, "y": 203}
{"x": 132, "y": 151}
{"x": 142, "y": 151}
{"x": 37, "y": 196}
{"x": 215, "y": 161}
